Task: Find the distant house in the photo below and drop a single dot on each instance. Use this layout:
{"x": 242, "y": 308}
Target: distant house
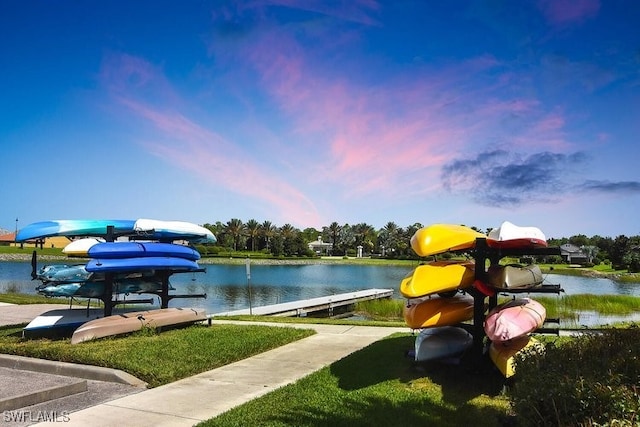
{"x": 321, "y": 248}
{"x": 7, "y": 237}
{"x": 573, "y": 254}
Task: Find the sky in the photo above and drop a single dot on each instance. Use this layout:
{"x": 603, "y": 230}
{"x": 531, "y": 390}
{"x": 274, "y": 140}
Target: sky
{"x": 308, "y": 112}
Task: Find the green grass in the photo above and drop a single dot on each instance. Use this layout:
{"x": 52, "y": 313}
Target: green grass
{"x": 159, "y": 358}
{"x": 381, "y": 309}
{"x": 566, "y": 306}
{"x": 16, "y": 298}
{"x": 379, "y": 385}
{"x": 29, "y": 250}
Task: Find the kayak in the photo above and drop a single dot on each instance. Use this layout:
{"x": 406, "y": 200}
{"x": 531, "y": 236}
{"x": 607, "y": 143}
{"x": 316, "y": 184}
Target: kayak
{"x": 439, "y": 238}
{"x": 514, "y": 276}
{"x": 438, "y": 277}
{"x": 503, "y": 354}
{"x": 113, "y": 250}
{"x": 124, "y": 323}
{"x": 441, "y": 343}
{"x": 511, "y": 236}
{"x": 80, "y": 247}
{"x": 514, "y": 319}
{"x": 438, "y": 311}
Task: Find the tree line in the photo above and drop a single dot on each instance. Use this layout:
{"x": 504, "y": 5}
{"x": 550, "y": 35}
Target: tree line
{"x": 390, "y": 241}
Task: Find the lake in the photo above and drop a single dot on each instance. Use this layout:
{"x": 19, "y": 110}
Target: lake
{"x": 226, "y": 285}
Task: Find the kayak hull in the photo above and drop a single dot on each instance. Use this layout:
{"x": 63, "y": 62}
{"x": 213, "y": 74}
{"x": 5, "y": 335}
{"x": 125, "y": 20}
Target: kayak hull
{"x": 437, "y": 277}
{"x": 441, "y": 343}
{"x": 134, "y": 321}
{"x": 503, "y": 354}
{"x": 439, "y": 238}
{"x": 115, "y": 250}
{"x": 514, "y": 319}
{"x": 438, "y": 311}
{"x": 511, "y": 236}
{"x": 514, "y": 276}
{"x": 122, "y": 265}
{"x": 80, "y": 247}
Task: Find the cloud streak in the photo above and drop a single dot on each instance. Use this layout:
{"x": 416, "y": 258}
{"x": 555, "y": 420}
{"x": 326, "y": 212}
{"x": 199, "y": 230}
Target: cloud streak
{"x": 192, "y": 147}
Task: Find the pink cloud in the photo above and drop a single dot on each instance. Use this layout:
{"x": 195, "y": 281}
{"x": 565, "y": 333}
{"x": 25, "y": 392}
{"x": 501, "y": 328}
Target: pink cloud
{"x": 365, "y": 136}
{"x": 562, "y": 12}
{"x": 374, "y": 136}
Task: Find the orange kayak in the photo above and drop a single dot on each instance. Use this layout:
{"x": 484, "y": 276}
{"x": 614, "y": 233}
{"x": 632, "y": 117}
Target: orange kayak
{"x": 439, "y": 238}
{"x": 439, "y": 311}
{"x": 436, "y": 277}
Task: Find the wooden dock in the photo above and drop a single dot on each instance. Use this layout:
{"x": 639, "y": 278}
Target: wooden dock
{"x": 302, "y": 308}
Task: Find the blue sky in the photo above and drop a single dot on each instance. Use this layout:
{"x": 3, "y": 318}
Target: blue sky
{"x": 308, "y": 112}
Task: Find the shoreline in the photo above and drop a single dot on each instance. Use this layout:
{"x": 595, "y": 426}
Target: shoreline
{"x": 621, "y": 277}
{"x": 234, "y": 261}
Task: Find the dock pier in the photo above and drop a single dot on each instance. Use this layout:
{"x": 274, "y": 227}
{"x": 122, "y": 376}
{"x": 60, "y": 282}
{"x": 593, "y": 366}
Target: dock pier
{"x": 305, "y": 307}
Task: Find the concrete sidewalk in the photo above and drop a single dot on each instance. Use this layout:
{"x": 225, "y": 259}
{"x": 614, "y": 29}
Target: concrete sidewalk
{"x": 191, "y": 400}
{"x": 14, "y": 314}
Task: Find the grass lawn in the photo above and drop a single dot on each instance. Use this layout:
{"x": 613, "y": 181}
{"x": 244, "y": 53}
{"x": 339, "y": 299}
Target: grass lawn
{"x": 159, "y": 358}
{"x": 379, "y": 385}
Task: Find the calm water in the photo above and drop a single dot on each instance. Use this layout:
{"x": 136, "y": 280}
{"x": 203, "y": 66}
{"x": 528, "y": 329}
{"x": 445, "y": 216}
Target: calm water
{"x": 226, "y": 285}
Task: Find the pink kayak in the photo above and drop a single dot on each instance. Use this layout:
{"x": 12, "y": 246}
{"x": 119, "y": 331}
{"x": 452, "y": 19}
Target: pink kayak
{"x": 514, "y": 319}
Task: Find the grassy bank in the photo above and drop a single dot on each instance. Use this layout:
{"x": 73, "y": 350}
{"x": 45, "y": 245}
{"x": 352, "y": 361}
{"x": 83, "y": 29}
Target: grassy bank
{"x": 159, "y": 358}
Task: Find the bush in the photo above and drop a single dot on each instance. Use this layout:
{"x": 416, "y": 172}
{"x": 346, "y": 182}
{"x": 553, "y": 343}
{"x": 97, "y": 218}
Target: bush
{"x": 593, "y": 379}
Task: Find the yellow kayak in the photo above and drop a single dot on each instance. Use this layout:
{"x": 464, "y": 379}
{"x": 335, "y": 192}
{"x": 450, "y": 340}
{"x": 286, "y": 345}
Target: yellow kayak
{"x": 440, "y": 238}
{"x": 438, "y": 312}
{"x": 436, "y": 277}
{"x": 503, "y": 353}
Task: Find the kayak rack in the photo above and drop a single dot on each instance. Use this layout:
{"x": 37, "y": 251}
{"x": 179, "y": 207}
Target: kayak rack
{"x": 163, "y": 294}
{"x": 482, "y": 254}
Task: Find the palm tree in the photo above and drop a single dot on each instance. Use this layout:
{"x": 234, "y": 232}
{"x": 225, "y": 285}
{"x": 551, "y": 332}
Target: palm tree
{"x": 267, "y": 231}
{"x": 364, "y": 234}
{"x": 390, "y": 236}
{"x": 235, "y": 229}
{"x": 287, "y": 231}
{"x": 253, "y": 230}
{"x": 334, "y": 232}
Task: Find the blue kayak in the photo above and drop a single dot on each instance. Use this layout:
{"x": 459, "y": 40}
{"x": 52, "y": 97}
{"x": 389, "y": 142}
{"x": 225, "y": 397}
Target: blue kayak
{"x": 74, "y": 228}
{"x": 63, "y": 273}
{"x": 145, "y": 229}
{"x": 121, "y": 265}
{"x": 112, "y": 250}
{"x": 91, "y": 289}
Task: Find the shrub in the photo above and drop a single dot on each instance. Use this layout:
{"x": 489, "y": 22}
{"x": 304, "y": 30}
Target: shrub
{"x": 593, "y": 379}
